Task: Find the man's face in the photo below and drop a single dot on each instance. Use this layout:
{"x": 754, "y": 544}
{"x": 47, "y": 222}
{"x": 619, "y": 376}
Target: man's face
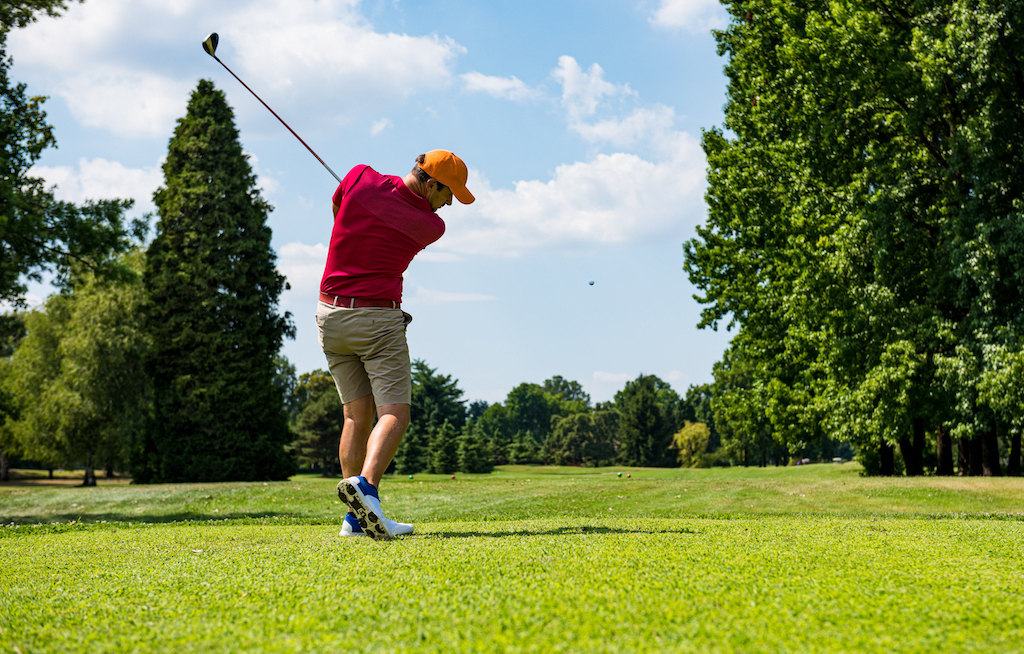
{"x": 438, "y": 195}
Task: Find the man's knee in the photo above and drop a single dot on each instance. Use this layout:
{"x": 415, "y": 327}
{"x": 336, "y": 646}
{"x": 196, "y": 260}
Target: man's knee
{"x": 359, "y": 411}
{"x": 399, "y": 412}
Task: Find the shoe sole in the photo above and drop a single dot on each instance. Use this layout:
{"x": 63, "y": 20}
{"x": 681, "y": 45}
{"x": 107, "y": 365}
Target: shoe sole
{"x": 368, "y": 520}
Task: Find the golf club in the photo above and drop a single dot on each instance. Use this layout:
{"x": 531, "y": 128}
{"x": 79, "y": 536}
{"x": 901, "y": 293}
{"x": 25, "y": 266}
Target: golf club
{"x": 210, "y": 45}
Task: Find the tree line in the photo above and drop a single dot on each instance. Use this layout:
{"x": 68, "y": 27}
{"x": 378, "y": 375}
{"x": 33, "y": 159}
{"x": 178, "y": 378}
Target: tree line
{"x": 864, "y": 231}
{"x": 551, "y": 423}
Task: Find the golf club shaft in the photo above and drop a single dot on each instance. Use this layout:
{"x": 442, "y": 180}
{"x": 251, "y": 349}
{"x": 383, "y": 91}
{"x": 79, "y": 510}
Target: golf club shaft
{"x": 276, "y": 116}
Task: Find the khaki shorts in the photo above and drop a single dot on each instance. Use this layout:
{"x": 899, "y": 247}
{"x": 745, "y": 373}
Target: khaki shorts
{"x": 367, "y": 352}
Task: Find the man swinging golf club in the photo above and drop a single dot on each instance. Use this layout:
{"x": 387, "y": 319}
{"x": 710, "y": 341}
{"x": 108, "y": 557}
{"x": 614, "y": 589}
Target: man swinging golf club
{"x": 380, "y": 223}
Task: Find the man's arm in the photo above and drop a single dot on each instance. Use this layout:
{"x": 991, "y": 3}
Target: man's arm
{"x": 335, "y": 213}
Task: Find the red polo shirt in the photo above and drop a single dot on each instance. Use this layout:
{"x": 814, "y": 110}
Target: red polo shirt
{"x": 380, "y": 227}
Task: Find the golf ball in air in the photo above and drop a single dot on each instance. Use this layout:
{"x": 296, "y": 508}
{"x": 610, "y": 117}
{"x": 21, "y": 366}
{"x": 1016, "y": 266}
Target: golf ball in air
{"x": 591, "y": 282}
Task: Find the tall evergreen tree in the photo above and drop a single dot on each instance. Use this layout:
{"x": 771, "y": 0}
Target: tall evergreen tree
{"x": 212, "y": 312}
{"x": 435, "y": 398}
{"x": 318, "y": 428}
{"x": 472, "y": 449}
{"x": 413, "y": 451}
{"x": 444, "y": 450}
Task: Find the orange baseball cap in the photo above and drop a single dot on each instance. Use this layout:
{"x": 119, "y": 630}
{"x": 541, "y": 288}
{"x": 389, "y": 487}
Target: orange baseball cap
{"x": 451, "y": 171}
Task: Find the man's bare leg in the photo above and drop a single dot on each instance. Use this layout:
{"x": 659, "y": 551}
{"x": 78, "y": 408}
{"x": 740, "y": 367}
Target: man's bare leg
{"x": 376, "y": 449}
{"x": 366, "y": 449}
{"x": 354, "y": 433}
{"x": 392, "y": 420}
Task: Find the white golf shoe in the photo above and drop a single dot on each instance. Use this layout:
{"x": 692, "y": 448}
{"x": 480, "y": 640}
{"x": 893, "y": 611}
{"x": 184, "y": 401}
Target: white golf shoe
{"x": 361, "y": 497}
{"x": 399, "y": 528}
{"x": 351, "y": 527}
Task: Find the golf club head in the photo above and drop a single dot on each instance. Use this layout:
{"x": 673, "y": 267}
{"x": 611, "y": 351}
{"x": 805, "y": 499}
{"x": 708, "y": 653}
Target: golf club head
{"x": 210, "y": 44}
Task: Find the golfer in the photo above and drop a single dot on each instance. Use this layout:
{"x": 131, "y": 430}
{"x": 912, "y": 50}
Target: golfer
{"x": 380, "y": 223}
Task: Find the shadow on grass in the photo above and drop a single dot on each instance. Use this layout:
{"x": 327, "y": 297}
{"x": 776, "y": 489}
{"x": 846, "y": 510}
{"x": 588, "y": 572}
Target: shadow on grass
{"x": 120, "y": 518}
{"x": 558, "y": 531}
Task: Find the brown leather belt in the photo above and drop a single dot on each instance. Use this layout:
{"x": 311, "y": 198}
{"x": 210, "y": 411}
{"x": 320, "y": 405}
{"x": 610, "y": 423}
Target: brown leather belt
{"x": 358, "y": 302}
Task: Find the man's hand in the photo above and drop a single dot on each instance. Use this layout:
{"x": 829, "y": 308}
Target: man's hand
{"x": 336, "y": 207}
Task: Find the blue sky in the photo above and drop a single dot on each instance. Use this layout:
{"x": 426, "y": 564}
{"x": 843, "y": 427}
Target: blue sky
{"x": 580, "y": 122}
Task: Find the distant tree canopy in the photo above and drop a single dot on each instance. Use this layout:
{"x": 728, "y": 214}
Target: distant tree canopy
{"x": 211, "y": 311}
{"x": 864, "y": 229}
{"x": 584, "y": 439}
{"x": 646, "y": 427}
{"x": 552, "y": 422}
{"x": 37, "y": 232}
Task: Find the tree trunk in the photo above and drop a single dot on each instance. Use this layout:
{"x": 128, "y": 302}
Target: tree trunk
{"x": 963, "y": 457}
{"x": 990, "y": 454}
{"x": 976, "y": 456}
{"x": 51, "y": 472}
{"x": 90, "y": 474}
{"x": 944, "y": 447}
{"x": 907, "y": 452}
{"x": 5, "y": 472}
{"x": 1013, "y": 467}
{"x": 109, "y": 472}
{"x": 913, "y": 451}
{"x": 887, "y": 455}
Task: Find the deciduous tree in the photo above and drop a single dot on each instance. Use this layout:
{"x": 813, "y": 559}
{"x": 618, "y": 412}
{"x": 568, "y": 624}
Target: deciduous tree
{"x": 83, "y": 393}
{"x": 864, "y": 215}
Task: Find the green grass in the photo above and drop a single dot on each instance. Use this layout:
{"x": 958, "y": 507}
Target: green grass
{"x": 813, "y": 558}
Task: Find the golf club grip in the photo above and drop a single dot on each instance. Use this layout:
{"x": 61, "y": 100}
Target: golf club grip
{"x": 278, "y": 117}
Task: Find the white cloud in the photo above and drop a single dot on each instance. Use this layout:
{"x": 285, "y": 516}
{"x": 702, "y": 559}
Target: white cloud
{"x": 612, "y": 377}
{"x": 613, "y": 198}
{"x": 267, "y": 183}
{"x": 304, "y": 55}
{"x": 128, "y": 102}
{"x": 508, "y": 88}
{"x": 642, "y": 125}
{"x": 583, "y": 91}
{"x": 422, "y": 295}
{"x": 690, "y": 15}
{"x": 99, "y": 179}
{"x": 674, "y": 376}
{"x": 303, "y": 266}
{"x": 380, "y": 125}
{"x": 297, "y": 47}
{"x": 437, "y": 257}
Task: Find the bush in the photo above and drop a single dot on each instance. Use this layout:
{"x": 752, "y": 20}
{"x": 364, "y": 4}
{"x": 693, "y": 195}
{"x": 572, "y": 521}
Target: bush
{"x": 691, "y": 443}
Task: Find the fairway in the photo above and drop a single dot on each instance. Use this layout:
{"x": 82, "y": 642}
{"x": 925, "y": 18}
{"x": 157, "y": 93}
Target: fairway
{"x": 557, "y": 559}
